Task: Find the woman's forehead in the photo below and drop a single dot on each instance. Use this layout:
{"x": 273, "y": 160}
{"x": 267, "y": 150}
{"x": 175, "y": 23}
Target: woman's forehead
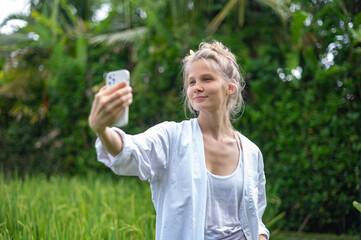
{"x": 203, "y": 67}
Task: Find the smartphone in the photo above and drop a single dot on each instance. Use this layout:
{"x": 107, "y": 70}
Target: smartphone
{"x": 113, "y": 78}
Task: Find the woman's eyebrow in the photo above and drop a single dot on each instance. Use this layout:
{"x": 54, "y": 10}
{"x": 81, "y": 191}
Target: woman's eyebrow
{"x": 207, "y": 75}
{"x": 202, "y": 75}
{"x": 190, "y": 78}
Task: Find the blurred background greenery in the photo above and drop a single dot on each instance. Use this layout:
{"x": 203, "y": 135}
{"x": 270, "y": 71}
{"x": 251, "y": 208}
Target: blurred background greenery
{"x": 300, "y": 58}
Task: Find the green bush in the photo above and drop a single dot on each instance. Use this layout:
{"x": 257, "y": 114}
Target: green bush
{"x": 308, "y": 128}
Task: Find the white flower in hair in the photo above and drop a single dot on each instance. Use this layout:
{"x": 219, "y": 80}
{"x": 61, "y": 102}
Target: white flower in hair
{"x": 191, "y": 54}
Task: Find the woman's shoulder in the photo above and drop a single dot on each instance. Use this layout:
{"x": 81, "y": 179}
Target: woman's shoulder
{"x": 173, "y": 125}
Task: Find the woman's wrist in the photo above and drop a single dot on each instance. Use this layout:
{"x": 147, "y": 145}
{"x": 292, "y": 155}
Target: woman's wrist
{"x": 111, "y": 140}
{"x": 100, "y": 131}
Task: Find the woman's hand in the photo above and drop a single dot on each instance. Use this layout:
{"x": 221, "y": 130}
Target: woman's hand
{"x": 108, "y": 104}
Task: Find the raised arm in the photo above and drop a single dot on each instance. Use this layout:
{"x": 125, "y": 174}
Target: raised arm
{"x": 108, "y": 104}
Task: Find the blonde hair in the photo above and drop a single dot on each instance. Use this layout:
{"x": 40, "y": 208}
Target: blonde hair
{"x": 224, "y": 62}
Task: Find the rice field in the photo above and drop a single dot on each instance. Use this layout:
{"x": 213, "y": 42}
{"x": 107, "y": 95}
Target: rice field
{"x": 103, "y": 206}
{"x": 91, "y": 207}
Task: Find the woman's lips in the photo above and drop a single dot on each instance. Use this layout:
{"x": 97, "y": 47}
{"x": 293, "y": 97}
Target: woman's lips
{"x": 199, "y": 98}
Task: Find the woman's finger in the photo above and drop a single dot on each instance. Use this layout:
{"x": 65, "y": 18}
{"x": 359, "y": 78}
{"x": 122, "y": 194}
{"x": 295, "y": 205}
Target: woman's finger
{"x": 117, "y": 95}
{"x": 121, "y": 103}
{"x": 116, "y": 87}
{"x": 103, "y": 89}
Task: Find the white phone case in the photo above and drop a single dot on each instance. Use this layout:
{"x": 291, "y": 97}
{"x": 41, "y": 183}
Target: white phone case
{"x": 112, "y": 78}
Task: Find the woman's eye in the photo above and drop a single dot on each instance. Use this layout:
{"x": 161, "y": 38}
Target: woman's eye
{"x": 192, "y": 82}
{"x": 207, "y": 79}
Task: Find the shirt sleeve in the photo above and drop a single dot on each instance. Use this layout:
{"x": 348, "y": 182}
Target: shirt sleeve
{"x": 145, "y": 155}
{"x": 262, "y": 201}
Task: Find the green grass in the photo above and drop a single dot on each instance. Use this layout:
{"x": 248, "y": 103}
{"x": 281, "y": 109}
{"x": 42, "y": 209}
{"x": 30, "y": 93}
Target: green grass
{"x": 94, "y": 207}
{"x": 97, "y": 207}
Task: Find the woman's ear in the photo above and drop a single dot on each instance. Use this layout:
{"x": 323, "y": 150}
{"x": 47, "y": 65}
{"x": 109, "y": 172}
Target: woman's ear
{"x": 232, "y": 87}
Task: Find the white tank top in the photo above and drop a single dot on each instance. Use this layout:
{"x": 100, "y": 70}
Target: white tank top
{"x": 224, "y": 194}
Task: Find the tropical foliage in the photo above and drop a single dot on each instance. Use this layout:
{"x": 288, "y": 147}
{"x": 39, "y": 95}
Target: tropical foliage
{"x": 300, "y": 59}
{"x": 357, "y": 205}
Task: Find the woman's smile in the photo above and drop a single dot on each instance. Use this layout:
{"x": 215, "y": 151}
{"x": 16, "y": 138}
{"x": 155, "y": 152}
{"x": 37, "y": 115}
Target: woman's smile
{"x": 199, "y": 98}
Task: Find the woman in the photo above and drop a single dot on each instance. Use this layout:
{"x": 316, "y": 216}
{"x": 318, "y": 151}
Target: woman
{"x": 207, "y": 179}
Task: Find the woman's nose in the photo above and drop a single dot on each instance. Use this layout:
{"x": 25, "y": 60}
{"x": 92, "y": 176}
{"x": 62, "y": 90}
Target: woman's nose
{"x": 198, "y": 87}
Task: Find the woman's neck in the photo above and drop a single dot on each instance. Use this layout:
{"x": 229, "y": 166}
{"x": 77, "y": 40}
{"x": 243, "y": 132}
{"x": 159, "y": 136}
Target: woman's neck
{"x": 215, "y": 125}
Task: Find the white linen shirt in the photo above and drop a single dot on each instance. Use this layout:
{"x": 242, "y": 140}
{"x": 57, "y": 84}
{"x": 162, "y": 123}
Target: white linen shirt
{"x": 171, "y": 157}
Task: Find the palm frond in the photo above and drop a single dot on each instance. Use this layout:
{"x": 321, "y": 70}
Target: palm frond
{"x": 281, "y": 7}
{"x": 357, "y": 205}
{"x": 9, "y": 43}
{"x": 13, "y": 39}
{"x": 129, "y": 35}
{"x": 47, "y": 22}
{"x": 14, "y": 16}
{"x": 221, "y": 15}
{"x": 241, "y": 12}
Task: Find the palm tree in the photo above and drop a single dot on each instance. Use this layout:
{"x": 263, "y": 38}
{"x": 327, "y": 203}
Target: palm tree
{"x": 26, "y": 55}
{"x": 279, "y": 6}
{"x": 190, "y": 11}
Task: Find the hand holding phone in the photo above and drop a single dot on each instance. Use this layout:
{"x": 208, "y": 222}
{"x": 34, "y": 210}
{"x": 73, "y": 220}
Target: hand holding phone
{"x": 113, "y": 78}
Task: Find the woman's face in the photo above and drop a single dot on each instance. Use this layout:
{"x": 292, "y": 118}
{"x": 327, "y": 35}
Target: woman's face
{"x": 207, "y": 90}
